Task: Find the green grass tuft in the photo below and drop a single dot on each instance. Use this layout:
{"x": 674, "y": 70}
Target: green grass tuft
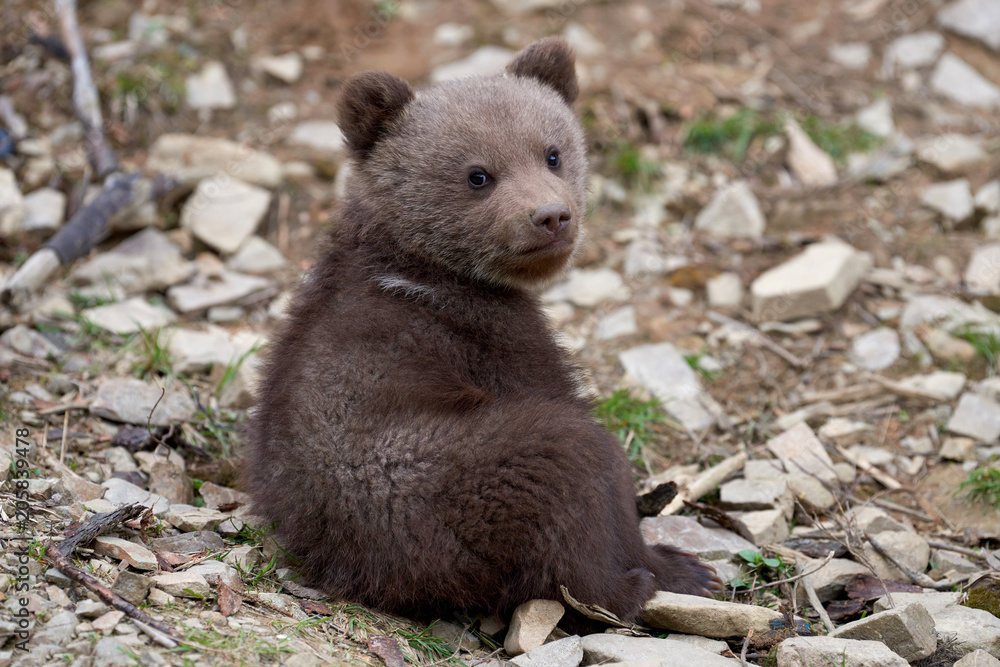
{"x": 630, "y": 419}
{"x": 982, "y": 485}
{"x": 731, "y": 135}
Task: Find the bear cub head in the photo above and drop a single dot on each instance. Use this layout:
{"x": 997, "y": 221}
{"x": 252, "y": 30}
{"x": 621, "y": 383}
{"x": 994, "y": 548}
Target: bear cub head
{"x": 484, "y": 177}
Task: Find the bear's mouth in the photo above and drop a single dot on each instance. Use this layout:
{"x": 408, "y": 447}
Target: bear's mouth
{"x": 552, "y": 246}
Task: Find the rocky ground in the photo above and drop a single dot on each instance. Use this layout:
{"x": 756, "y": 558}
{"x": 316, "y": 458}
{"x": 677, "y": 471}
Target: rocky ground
{"x": 788, "y": 303}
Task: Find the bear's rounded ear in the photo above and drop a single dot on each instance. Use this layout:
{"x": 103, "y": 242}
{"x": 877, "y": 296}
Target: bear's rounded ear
{"x": 552, "y": 62}
{"x": 368, "y": 102}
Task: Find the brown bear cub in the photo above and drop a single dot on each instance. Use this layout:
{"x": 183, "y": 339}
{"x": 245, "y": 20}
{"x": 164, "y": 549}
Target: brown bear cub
{"x": 419, "y": 438}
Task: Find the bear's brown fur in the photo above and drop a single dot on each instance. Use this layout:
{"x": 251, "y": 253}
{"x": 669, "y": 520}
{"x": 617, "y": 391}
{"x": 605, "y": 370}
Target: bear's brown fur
{"x": 419, "y": 437}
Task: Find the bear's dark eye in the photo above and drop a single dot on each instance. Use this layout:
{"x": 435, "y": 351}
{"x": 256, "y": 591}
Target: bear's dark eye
{"x": 478, "y": 179}
{"x": 553, "y": 159}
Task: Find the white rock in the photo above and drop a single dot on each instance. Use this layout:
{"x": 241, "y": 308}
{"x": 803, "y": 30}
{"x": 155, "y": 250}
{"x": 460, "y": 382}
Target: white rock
{"x": 876, "y": 349}
{"x": 136, "y": 555}
{"x": 854, "y": 55}
{"x": 977, "y": 417}
{"x": 286, "y": 67}
{"x": 958, "y": 449}
{"x": 619, "y": 323}
{"x": 189, "y": 158}
{"x": 582, "y": 41}
{"x": 948, "y": 314}
{"x": 977, "y": 658}
{"x": 25, "y": 340}
{"x": 321, "y": 135}
{"x": 567, "y": 652}
{"x": 807, "y": 161}
{"x": 919, "y": 49}
{"x": 223, "y": 213}
{"x": 951, "y": 153}
{"x": 662, "y": 369}
{"x": 978, "y": 19}
{"x": 484, "y": 61}
{"x": 952, "y": 199}
{"x": 733, "y": 212}
{"x": 907, "y": 548}
{"x": 121, "y": 492}
{"x": 188, "y": 518}
{"x": 958, "y": 81}
{"x": 44, "y": 210}
{"x": 129, "y": 316}
{"x": 812, "y": 651}
{"x": 988, "y": 198}
{"x": 452, "y": 34}
{"x": 604, "y": 649}
{"x": 706, "y": 617}
{"x": 876, "y": 118}
{"x": 907, "y": 631}
{"x": 205, "y": 292}
{"x": 183, "y": 584}
{"x": 531, "y": 623}
{"x": 211, "y": 88}
{"x": 816, "y": 281}
{"x": 12, "y": 209}
{"x": 256, "y": 256}
{"x": 145, "y": 261}
{"x": 589, "y": 287}
{"x": 942, "y": 385}
{"x": 724, "y": 291}
{"x": 982, "y": 275}
{"x": 197, "y": 351}
{"x": 131, "y": 401}
{"x": 800, "y": 450}
{"x": 763, "y": 526}
{"x": 215, "y": 571}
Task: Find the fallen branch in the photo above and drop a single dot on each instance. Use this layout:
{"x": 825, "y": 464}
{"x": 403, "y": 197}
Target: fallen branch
{"x": 813, "y": 597}
{"x": 918, "y": 578}
{"x": 58, "y": 556}
{"x": 705, "y": 482}
{"x": 121, "y": 192}
{"x": 887, "y": 480}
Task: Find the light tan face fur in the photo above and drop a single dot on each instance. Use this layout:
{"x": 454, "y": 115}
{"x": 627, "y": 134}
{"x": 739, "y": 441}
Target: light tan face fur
{"x": 506, "y": 127}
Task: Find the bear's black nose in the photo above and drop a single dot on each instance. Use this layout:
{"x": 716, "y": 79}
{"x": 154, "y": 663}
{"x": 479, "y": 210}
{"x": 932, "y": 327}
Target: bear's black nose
{"x": 551, "y": 217}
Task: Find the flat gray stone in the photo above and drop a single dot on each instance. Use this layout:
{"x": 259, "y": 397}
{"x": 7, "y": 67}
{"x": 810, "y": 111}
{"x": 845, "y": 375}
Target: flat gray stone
{"x": 112, "y": 652}
{"x": 960, "y": 82}
{"x": 816, "y": 281}
{"x": 744, "y": 494}
{"x": 12, "y": 209}
{"x": 606, "y": 648}
{"x": 942, "y": 385}
{"x": 952, "y": 199}
{"x": 876, "y": 349}
{"x": 44, "y": 211}
{"x": 129, "y": 317}
{"x": 26, "y": 341}
{"x": 215, "y": 571}
{"x": 617, "y": 324}
{"x": 256, "y": 255}
{"x": 286, "y": 67}
{"x": 198, "y": 351}
{"x": 852, "y": 55}
{"x": 907, "y": 631}
{"x": 988, "y": 198}
{"x": 973, "y": 628}
{"x": 662, "y": 369}
{"x": 813, "y": 651}
{"x": 831, "y": 580}
{"x": 949, "y": 560}
{"x": 206, "y": 292}
{"x": 978, "y": 658}
{"x": 211, "y": 88}
{"x": 978, "y": 19}
{"x": 800, "y": 451}
{"x": 183, "y": 584}
{"x": 189, "y": 159}
{"x": 189, "y": 543}
{"x": 58, "y": 630}
{"x": 982, "y": 275}
{"x": 948, "y": 314}
{"x": 566, "y": 652}
{"x": 130, "y": 401}
{"x": 145, "y": 261}
{"x": 692, "y": 614}
{"x": 876, "y": 118}
{"x": 188, "y": 518}
{"x": 908, "y": 548}
{"x": 733, "y": 212}
{"x": 687, "y": 534}
{"x": 977, "y": 417}
{"x": 122, "y": 492}
{"x": 764, "y": 526}
{"x": 323, "y": 136}
{"x": 223, "y": 213}
{"x": 724, "y": 291}
{"x": 588, "y": 288}
{"x": 919, "y": 49}
{"x": 951, "y": 153}
{"x": 134, "y": 554}
{"x": 131, "y": 586}
{"x": 484, "y": 61}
